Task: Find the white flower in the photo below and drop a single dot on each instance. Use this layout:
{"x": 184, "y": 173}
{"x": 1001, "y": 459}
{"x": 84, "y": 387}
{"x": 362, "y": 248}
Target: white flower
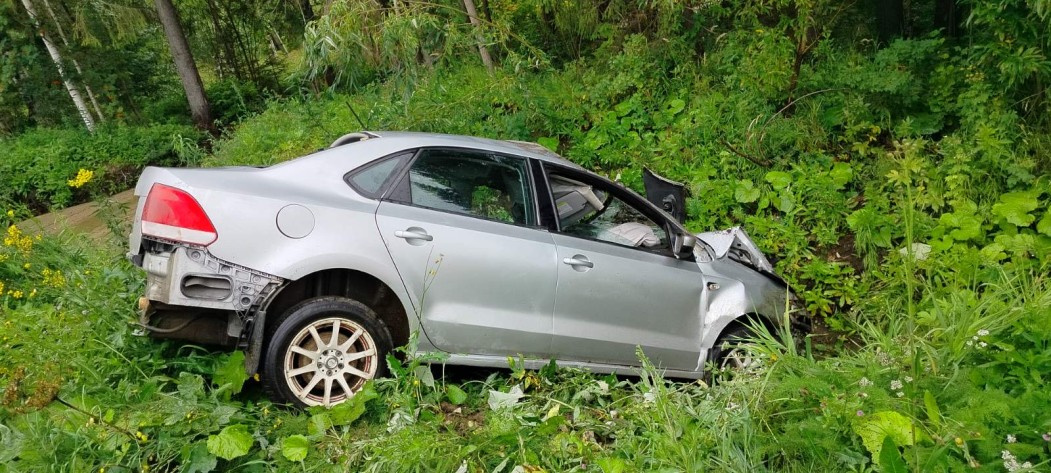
{"x": 900, "y": 394}
{"x": 982, "y": 344}
{"x": 895, "y": 385}
{"x": 983, "y": 332}
{"x": 1011, "y": 438}
{"x": 908, "y": 379}
{"x": 970, "y": 343}
{"x": 975, "y": 338}
{"x": 1011, "y": 463}
{"x": 864, "y": 382}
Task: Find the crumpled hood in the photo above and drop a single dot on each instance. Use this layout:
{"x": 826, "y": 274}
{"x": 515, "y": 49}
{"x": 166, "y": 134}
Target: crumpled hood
{"x": 736, "y": 243}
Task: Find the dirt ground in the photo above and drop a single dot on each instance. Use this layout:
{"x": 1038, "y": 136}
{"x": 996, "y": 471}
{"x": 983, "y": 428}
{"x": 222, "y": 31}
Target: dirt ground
{"x": 86, "y": 219}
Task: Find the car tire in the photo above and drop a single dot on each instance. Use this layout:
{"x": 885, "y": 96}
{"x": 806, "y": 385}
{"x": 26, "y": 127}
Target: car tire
{"x": 728, "y": 356}
{"x": 323, "y": 350}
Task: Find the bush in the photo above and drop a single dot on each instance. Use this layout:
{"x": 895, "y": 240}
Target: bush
{"x": 40, "y": 167}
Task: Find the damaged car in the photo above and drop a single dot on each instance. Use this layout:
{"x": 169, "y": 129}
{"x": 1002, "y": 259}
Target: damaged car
{"x": 319, "y": 267}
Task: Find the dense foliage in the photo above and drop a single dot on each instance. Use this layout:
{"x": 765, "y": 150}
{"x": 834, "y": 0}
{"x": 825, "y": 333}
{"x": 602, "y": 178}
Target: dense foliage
{"x": 892, "y": 158}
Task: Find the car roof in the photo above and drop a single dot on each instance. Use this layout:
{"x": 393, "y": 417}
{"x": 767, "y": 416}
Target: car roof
{"x": 411, "y": 139}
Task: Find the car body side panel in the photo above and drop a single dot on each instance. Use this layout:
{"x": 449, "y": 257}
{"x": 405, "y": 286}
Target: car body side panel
{"x": 629, "y": 298}
{"x": 245, "y": 216}
{"x": 487, "y": 287}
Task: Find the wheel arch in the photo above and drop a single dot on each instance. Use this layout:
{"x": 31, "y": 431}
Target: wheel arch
{"x": 716, "y": 331}
{"x": 379, "y": 295}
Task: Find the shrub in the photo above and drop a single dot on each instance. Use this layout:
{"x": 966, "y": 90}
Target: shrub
{"x": 40, "y": 164}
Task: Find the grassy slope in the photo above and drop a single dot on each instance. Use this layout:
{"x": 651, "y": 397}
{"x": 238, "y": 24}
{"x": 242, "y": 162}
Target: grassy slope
{"x": 954, "y": 347}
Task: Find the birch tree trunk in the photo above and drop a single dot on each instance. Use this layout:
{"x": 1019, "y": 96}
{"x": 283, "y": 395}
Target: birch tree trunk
{"x": 472, "y": 13}
{"x": 185, "y": 65}
{"x": 76, "y": 65}
{"x": 56, "y": 57}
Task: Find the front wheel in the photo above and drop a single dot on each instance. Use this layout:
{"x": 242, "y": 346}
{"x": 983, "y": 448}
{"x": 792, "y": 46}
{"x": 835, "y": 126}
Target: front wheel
{"x": 324, "y": 350}
{"x": 729, "y": 356}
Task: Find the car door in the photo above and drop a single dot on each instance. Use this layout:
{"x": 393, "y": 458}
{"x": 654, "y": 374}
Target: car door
{"x": 461, "y": 228}
{"x": 619, "y": 287}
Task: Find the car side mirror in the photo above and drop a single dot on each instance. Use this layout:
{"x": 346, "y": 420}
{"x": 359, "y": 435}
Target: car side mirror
{"x": 682, "y": 245}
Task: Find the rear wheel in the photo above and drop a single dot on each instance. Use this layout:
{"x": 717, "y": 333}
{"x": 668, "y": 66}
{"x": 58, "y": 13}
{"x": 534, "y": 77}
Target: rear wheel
{"x": 324, "y": 350}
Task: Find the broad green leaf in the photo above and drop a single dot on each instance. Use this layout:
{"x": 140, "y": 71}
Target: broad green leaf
{"x": 319, "y": 424}
{"x": 785, "y": 202}
{"x": 746, "y": 192}
{"x": 197, "y": 459}
{"x": 455, "y": 395}
{"x": 841, "y": 174}
{"x": 548, "y": 142}
{"x": 993, "y": 252}
{"x": 1015, "y": 207}
{"x": 933, "y": 413}
{"x": 611, "y": 465}
{"x": 675, "y": 106}
{"x": 191, "y": 386}
{"x": 965, "y": 226}
{"x": 295, "y": 447}
{"x": 890, "y": 460}
{"x": 499, "y": 400}
{"x": 231, "y": 370}
{"x": 352, "y": 409}
{"x": 880, "y": 425}
{"x": 779, "y": 179}
{"x": 423, "y": 373}
{"x": 231, "y": 442}
{"x": 1044, "y": 225}
{"x": 396, "y": 368}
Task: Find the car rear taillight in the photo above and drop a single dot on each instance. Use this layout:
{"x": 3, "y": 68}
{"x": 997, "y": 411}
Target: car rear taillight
{"x": 173, "y": 214}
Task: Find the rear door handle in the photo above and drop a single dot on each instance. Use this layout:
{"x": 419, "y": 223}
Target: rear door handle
{"x": 579, "y": 262}
{"x": 414, "y": 235}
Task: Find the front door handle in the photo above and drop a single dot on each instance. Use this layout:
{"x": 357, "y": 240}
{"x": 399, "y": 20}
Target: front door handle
{"x": 579, "y": 262}
{"x": 414, "y": 235}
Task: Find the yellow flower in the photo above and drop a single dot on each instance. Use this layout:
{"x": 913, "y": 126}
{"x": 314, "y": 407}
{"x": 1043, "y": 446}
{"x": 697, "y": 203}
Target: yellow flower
{"x": 11, "y": 213}
{"x": 53, "y": 278}
{"x": 17, "y": 240}
{"x": 17, "y": 294}
{"x": 83, "y": 177}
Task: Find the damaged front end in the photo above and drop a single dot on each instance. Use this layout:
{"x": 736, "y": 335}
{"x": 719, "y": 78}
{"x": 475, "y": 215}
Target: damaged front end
{"x": 738, "y": 246}
{"x": 735, "y": 244}
{"x": 193, "y": 296}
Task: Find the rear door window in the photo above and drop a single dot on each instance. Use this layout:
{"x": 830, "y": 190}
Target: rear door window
{"x": 489, "y": 186}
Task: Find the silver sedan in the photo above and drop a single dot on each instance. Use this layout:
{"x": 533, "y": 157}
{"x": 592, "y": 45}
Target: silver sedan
{"x": 317, "y": 268}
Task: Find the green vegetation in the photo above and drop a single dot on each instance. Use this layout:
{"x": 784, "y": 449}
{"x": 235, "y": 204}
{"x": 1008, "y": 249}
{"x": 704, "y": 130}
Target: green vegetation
{"x": 894, "y": 167}
{"x": 40, "y": 168}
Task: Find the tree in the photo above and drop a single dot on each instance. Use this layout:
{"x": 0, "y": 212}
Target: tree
{"x": 185, "y": 65}
{"x": 56, "y": 57}
{"x": 472, "y": 13}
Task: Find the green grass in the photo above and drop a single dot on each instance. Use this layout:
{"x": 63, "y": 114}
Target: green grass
{"x": 939, "y": 362}
{"x": 82, "y": 393}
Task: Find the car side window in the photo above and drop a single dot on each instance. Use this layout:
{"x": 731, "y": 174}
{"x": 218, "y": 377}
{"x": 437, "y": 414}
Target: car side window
{"x": 370, "y": 179}
{"x": 596, "y": 212}
{"x": 483, "y": 185}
